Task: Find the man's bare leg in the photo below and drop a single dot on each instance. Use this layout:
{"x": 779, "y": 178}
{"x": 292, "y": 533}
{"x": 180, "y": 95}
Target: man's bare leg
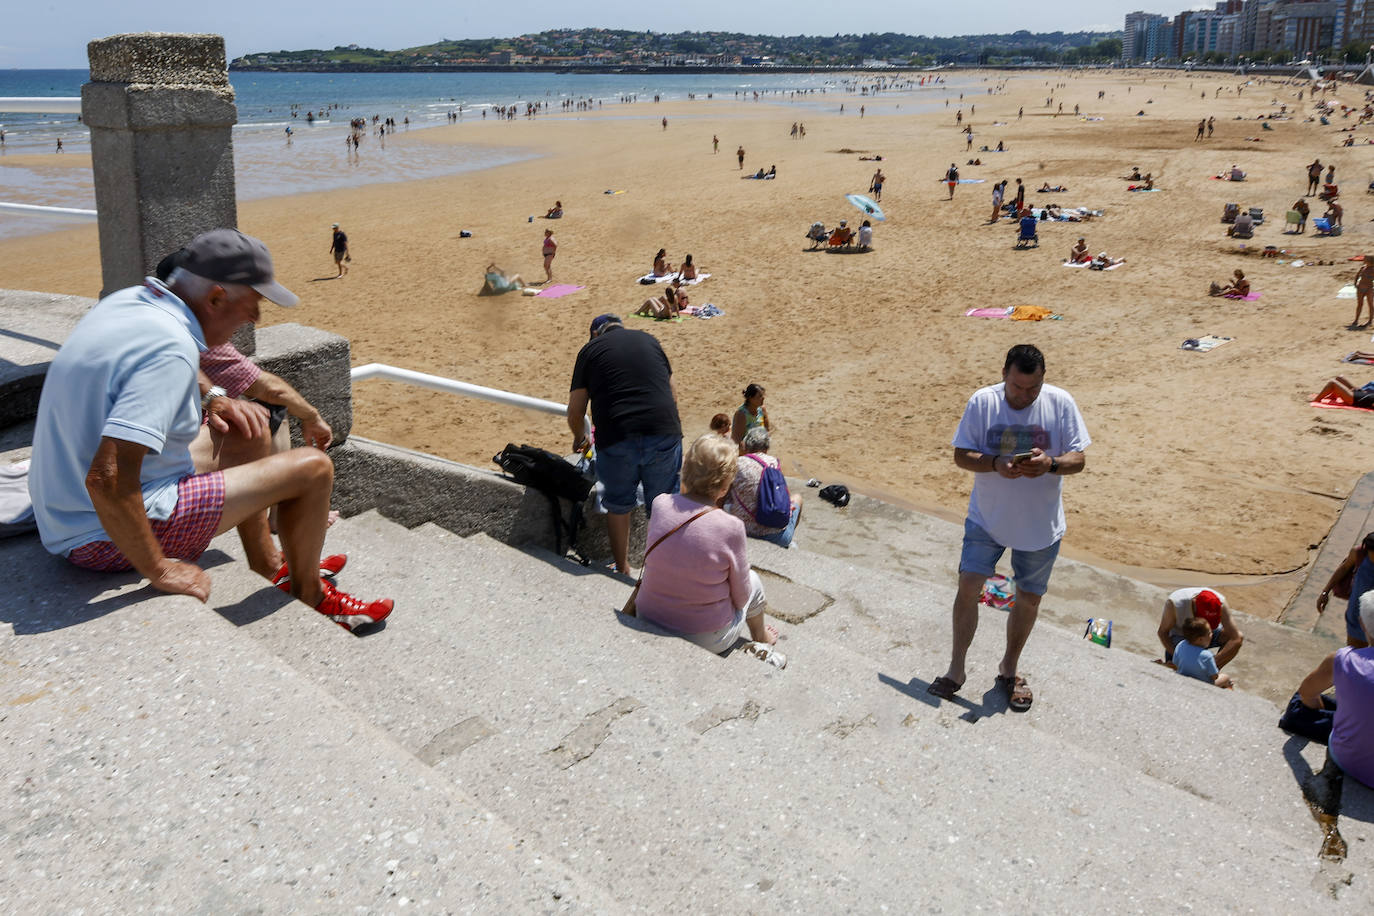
{"x": 299, "y": 482}
{"x": 618, "y": 533}
{"x": 965, "y": 623}
{"x": 213, "y": 451}
{"x": 1024, "y": 610}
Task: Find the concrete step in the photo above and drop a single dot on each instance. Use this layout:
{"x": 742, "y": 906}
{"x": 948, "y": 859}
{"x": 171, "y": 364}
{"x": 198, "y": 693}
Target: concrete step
{"x": 1104, "y": 701}
{"x": 598, "y": 740}
{"x": 877, "y": 535}
{"x": 154, "y": 752}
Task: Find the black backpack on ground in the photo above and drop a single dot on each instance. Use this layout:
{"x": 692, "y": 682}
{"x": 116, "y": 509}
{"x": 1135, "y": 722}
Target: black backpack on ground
{"x": 553, "y": 476}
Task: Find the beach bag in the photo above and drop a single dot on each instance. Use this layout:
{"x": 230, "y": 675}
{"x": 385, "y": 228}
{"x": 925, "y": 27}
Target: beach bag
{"x": 1305, "y": 722}
{"x": 774, "y": 502}
{"x": 553, "y": 476}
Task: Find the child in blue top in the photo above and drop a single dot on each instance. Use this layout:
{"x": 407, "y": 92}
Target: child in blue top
{"x": 1193, "y": 656}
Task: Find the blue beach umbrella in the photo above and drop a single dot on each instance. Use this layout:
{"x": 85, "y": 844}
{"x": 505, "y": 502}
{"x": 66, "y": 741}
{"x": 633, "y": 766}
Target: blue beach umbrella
{"x": 867, "y": 205}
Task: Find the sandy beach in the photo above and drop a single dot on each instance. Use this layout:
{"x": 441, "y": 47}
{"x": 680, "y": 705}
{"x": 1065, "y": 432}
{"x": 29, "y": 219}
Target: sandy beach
{"x": 1202, "y": 463}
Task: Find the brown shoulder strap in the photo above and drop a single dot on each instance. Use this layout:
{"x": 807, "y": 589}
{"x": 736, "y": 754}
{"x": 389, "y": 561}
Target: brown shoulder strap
{"x": 674, "y": 531}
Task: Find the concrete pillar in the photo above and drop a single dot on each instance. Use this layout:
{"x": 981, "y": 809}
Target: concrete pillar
{"x": 160, "y": 110}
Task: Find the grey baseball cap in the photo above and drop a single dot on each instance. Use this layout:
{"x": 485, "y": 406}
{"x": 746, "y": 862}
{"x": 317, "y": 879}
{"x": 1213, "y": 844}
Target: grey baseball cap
{"x": 229, "y": 256}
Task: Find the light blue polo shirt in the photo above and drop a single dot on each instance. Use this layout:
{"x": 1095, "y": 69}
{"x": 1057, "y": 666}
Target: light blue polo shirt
{"x": 128, "y": 371}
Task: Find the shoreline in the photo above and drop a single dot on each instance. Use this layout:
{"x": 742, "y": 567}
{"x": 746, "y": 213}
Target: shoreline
{"x": 1201, "y": 461}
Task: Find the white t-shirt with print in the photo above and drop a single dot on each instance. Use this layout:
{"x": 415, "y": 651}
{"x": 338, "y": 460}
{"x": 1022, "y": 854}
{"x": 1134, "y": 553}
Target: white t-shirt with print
{"x": 1024, "y": 513}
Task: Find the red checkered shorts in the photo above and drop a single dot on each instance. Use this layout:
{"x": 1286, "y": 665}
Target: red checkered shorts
{"x": 183, "y": 536}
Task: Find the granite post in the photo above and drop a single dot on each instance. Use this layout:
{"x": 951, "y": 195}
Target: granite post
{"x": 160, "y": 110}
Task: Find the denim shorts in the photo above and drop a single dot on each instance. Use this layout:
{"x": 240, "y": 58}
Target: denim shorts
{"x": 1030, "y": 568}
{"x": 654, "y": 461}
{"x": 783, "y": 538}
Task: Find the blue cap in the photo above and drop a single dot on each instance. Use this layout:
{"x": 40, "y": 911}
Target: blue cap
{"x": 600, "y": 322}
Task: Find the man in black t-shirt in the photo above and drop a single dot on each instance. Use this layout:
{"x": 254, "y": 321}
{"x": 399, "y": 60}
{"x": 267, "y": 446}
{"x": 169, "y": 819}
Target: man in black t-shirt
{"x": 338, "y": 247}
{"x": 629, "y": 382}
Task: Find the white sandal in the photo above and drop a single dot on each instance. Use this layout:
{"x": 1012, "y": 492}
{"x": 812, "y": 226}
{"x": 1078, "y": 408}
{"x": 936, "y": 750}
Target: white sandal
{"x": 766, "y": 654}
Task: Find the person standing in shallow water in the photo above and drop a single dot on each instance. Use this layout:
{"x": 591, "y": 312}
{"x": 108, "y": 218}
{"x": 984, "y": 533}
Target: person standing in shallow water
{"x": 1018, "y": 438}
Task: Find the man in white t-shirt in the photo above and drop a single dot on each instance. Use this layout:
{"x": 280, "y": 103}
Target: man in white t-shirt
{"x": 1019, "y": 438}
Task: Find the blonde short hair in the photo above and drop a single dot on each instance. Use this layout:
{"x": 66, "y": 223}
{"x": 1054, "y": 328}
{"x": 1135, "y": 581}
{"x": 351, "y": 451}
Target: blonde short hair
{"x": 709, "y": 465}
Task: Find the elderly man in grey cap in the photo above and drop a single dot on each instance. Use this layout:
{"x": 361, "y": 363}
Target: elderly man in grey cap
{"x": 128, "y": 472}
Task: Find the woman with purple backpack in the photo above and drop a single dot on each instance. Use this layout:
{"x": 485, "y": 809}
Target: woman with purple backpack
{"x": 759, "y": 496}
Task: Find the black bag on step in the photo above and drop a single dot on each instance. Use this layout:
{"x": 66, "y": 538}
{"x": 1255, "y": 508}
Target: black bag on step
{"x": 551, "y": 475}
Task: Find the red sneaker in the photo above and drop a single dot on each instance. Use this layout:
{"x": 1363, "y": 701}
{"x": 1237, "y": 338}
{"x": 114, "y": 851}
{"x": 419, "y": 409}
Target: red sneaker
{"x": 349, "y": 612}
{"x": 330, "y": 567}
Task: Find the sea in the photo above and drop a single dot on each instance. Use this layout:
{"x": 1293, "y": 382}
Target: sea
{"x": 317, "y": 109}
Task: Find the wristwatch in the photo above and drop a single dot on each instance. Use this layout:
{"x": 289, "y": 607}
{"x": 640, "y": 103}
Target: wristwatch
{"x": 214, "y": 392}
{"x": 1054, "y": 465}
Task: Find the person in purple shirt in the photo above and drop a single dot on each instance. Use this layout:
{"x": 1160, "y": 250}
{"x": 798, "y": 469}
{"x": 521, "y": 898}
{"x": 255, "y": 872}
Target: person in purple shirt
{"x": 1351, "y": 672}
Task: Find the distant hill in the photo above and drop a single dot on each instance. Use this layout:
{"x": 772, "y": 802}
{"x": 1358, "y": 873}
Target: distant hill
{"x": 614, "y": 48}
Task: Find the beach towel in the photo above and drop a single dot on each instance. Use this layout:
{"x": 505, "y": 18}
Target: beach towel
{"x": 650, "y": 278}
{"x": 1333, "y": 406}
{"x": 988, "y": 313}
{"x": 1203, "y": 344}
{"x": 709, "y": 310}
{"x": 1031, "y": 313}
{"x": 1077, "y": 263}
{"x": 1249, "y": 297}
{"x": 1352, "y": 358}
{"x": 612, "y": 192}
{"x": 652, "y": 318}
{"x": 1346, "y": 292}
{"x": 557, "y": 290}
{"x": 1144, "y": 190}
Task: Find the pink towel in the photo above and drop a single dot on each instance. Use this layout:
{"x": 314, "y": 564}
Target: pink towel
{"x": 1338, "y": 406}
{"x": 558, "y": 289}
{"x": 987, "y": 313}
{"x": 1247, "y": 298}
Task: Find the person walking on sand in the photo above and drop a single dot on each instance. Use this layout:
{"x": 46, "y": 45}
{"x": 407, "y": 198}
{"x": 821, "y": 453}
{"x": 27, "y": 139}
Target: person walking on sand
{"x": 876, "y": 185}
{"x": 1211, "y": 123}
{"x": 1018, "y": 438}
{"x": 952, "y": 179}
{"x": 1314, "y": 177}
{"x": 59, "y": 144}
{"x": 550, "y": 249}
{"x": 998, "y": 191}
{"x": 715, "y": 144}
{"x": 338, "y": 247}
{"x": 1201, "y": 129}
{"x": 1364, "y": 292}
{"x": 739, "y": 154}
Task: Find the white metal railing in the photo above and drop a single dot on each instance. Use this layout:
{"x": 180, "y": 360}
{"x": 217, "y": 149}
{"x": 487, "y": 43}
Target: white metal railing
{"x": 57, "y": 104}
{"x": 56, "y": 212}
{"x": 452, "y": 386}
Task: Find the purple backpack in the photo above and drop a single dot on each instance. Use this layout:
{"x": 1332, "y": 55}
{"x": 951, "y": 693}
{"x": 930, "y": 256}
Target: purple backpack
{"x": 774, "y": 502}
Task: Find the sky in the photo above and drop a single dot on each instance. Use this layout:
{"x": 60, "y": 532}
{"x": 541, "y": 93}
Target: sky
{"x": 45, "y": 33}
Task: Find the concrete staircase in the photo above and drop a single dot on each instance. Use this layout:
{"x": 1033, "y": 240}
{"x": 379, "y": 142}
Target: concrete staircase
{"x": 506, "y": 742}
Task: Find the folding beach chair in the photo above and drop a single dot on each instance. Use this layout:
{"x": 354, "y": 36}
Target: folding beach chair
{"x": 1324, "y": 228}
{"x": 1028, "y": 234}
{"x": 1230, "y": 212}
{"x": 1293, "y": 218}
{"x": 1257, "y": 214}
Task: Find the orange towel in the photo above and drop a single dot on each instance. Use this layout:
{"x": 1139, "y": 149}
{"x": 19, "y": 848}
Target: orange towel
{"x": 1030, "y": 313}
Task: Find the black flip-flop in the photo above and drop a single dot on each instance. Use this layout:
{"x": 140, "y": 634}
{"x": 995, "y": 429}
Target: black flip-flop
{"x": 1019, "y": 696}
{"x": 943, "y": 688}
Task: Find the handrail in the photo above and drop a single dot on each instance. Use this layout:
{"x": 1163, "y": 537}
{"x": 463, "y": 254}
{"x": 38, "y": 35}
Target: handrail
{"x": 39, "y": 104}
{"x": 452, "y": 386}
{"x": 59, "y": 212}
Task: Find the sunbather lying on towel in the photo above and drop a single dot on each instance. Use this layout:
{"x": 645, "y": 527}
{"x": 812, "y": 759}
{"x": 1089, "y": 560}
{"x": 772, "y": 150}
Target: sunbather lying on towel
{"x": 497, "y": 282}
{"x": 1046, "y": 189}
{"x": 1340, "y": 391}
{"x": 1147, "y": 185}
{"x": 1238, "y": 288}
{"x": 1103, "y": 261}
